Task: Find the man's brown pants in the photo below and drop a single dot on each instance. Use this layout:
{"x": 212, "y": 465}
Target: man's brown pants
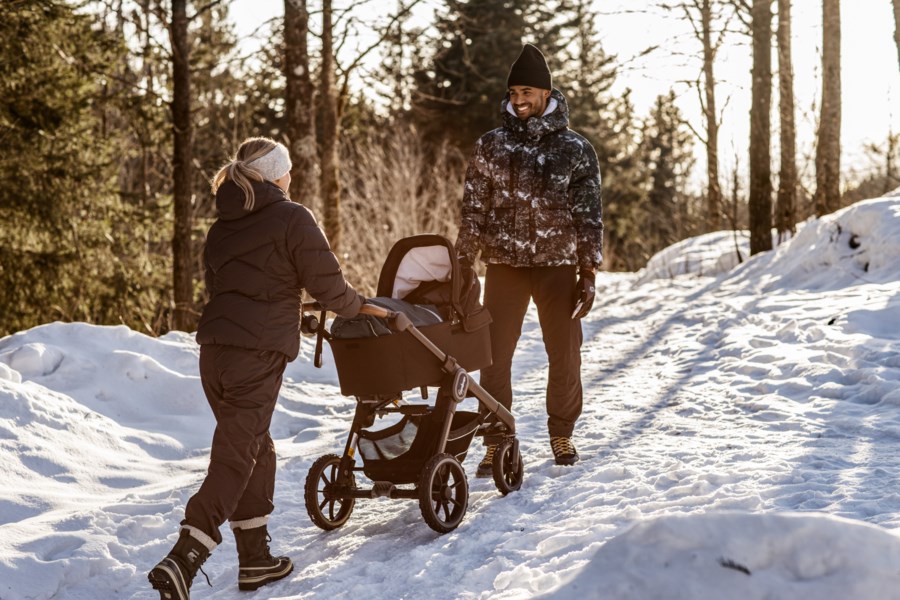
{"x": 507, "y": 293}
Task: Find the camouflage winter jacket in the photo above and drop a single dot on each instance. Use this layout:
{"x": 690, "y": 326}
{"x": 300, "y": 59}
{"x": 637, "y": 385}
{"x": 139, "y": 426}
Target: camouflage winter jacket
{"x": 532, "y": 194}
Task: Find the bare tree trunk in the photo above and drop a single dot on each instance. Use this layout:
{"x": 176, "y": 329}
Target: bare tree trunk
{"x": 300, "y": 105}
{"x": 146, "y": 78}
{"x": 828, "y": 148}
{"x": 785, "y": 207}
{"x": 701, "y": 16}
{"x": 331, "y": 192}
{"x": 713, "y": 191}
{"x": 735, "y": 201}
{"x": 897, "y": 28}
{"x": 891, "y": 179}
{"x": 760, "y": 201}
{"x": 182, "y": 263}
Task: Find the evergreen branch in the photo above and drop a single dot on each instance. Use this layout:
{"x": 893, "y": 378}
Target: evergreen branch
{"x": 95, "y": 70}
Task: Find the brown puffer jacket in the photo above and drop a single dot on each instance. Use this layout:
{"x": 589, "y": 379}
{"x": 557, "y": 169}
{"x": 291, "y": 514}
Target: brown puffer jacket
{"x": 257, "y": 264}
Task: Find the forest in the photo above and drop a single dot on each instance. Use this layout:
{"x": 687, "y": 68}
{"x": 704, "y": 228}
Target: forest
{"x": 115, "y": 115}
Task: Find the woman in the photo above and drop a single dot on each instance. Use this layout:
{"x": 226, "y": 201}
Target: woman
{"x": 261, "y": 252}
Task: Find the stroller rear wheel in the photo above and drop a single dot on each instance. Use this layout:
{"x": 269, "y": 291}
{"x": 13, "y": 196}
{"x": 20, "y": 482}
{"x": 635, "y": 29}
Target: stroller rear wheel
{"x": 443, "y": 493}
{"x": 508, "y": 468}
{"x": 326, "y": 505}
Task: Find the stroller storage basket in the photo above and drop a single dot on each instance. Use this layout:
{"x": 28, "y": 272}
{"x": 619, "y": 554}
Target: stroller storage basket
{"x": 397, "y": 453}
{"x": 390, "y": 364}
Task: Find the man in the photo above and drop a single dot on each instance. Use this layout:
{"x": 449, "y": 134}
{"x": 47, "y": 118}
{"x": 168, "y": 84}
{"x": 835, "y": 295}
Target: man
{"x": 531, "y": 206}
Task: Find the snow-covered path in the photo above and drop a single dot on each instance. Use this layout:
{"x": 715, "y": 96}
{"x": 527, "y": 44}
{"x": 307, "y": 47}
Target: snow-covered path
{"x": 717, "y": 410}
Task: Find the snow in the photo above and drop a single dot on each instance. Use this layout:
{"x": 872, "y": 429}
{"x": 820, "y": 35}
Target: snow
{"x": 739, "y": 440}
{"x": 709, "y": 254}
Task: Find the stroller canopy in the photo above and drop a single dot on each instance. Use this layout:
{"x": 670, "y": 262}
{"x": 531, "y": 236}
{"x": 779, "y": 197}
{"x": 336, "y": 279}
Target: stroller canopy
{"x": 424, "y": 269}
{"x": 419, "y": 265}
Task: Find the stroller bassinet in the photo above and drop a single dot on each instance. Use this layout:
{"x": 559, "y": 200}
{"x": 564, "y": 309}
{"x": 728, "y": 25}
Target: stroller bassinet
{"x": 418, "y": 270}
{"x": 395, "y": 346}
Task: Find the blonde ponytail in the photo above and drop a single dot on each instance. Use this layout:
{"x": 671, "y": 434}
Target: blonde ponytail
{"x": 240, "y": 171}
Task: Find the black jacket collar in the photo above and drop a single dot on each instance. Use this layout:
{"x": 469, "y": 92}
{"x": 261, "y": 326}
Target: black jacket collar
{"x": 230, "y": 199}
{"x": 537, "y": 127}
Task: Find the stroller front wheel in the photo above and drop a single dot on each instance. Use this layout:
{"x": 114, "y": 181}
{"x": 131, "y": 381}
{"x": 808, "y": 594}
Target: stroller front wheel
{"x": 507, "y": 467}
{"x": 443, "y": 493}
{"x": 327, "y": 497}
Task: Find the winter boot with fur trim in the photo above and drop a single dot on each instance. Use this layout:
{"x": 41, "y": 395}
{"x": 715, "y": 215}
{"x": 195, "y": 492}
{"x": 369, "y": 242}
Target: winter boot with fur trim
{"x": 173, "y": 576}
{"x": 257, "y": 565}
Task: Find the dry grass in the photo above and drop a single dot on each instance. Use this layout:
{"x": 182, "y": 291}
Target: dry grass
{"x": 394, "y": 187}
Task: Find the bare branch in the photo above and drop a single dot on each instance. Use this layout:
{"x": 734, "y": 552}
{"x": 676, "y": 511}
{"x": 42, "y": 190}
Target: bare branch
{"x": 702, "y": 139}
{"x": 340, "y": 14}
{"x": 743, "y": 12}
{"x": 345, "y": 72}
{"x": 693, "y": 22}
{"x": 431, "y": 98}
{"x": 265, "y": 23}
{"x": 209, "y": 6}
{"x": 700, "y": 91}
{"x": 721, "y": 118}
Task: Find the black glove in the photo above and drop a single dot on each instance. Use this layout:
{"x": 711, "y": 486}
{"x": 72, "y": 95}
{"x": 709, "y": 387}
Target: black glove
{"x": 469, "y": 277}
{"x": 467, "y": 273}
{"x": 584, "y": 294}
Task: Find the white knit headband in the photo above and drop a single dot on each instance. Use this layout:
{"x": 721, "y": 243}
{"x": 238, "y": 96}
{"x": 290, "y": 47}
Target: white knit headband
{"x": 273, "y": 165}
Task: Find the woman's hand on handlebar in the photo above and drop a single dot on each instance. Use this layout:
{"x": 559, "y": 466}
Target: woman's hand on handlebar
{"x": 376, "y": 311}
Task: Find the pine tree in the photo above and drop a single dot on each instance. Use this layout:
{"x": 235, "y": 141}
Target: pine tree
{"x": 666, "y": 216}
{"x": 403, "y": 54}
{"x": 586, "y": 75}
{"x": 331, "y": 128}
{"x": 625, "y": 186}
{"x": 214, "y": 83}
{"x": 709, "y": 22}
{"x": 457, "y": 96}
{"x": 57, "y": 200}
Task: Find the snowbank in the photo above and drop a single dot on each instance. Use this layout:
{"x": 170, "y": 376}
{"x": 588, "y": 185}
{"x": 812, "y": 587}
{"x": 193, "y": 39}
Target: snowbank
{"x": 858, "y": 244}
{"x": 751, "y": 557}
{"x": 705, "y": 255}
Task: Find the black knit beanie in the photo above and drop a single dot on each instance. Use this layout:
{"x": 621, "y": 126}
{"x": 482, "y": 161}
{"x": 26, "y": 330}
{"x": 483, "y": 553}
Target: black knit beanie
{"x": 530, "y": 69}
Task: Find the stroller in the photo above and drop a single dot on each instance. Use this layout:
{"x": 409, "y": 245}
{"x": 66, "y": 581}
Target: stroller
{"x": 423, "y": 330}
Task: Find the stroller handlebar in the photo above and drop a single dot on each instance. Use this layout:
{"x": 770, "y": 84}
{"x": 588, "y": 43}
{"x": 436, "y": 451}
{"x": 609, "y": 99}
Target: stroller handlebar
{"x": 365, "y": 309}
{"x": 377, "y": 311}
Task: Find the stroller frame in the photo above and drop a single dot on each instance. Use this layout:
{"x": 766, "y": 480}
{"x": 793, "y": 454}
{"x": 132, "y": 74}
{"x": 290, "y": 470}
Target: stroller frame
{"x": 440, "y": 487}
{"x": 440, "y": 484}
